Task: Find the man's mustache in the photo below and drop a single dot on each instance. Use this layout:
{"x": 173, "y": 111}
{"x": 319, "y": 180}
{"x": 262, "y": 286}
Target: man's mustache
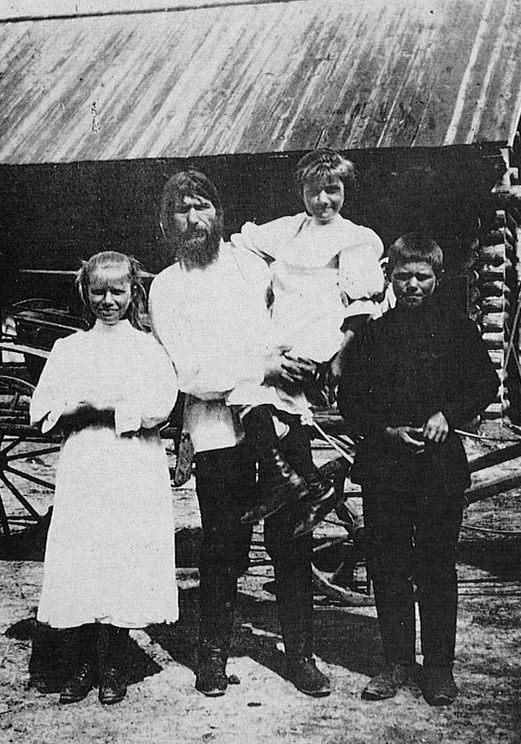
{"x": 196, "y": 232}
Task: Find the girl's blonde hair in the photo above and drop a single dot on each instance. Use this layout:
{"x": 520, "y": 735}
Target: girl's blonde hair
{"x": 133, "y": 272}
{"x": 324, "y": 165}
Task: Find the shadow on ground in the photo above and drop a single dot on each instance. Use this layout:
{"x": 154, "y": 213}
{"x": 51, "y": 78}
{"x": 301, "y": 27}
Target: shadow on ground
{"x": 498, "y": 556}
{"x": 45, "y": 664}
{"x": 341, "y": 637}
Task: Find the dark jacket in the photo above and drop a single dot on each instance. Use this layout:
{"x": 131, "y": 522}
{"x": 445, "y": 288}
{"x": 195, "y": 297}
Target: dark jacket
{"x": 410, "y": 364}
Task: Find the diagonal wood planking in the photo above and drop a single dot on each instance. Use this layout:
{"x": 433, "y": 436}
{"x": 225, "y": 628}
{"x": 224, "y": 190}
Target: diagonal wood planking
{"x": 261, "y": 77}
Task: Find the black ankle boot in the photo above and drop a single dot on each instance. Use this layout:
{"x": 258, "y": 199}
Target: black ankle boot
{"x": 113, "y": 664}
{"x": 280, "y": 486}
{"x": 386, "y": 684}
{"x": 321, "y": 500}
{"x": 211, "y": 677}
{"x": 303, "y": 672}
{"x": 78, "y": 652}
{"x": 438, "y": 685}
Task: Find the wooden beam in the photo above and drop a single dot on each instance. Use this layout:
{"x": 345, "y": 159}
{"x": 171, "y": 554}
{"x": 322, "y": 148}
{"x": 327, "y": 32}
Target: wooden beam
{"x": 29, "y": 10}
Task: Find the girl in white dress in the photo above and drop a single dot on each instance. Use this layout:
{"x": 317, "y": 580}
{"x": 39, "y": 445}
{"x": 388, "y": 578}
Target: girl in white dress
{"x": 325, "y": 276}
{"x": 109, "y": 562}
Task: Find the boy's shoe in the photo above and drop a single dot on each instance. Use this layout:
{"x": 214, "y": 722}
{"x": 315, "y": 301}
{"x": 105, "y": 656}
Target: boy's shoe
{"x": 387, "y": 684}
{"x": 321, "y": 500}
{"x": 211, "y": 677}
{"x": 438, "y": 685}
{"x": 303, "y": 672}
{"x": 280, "y": 486}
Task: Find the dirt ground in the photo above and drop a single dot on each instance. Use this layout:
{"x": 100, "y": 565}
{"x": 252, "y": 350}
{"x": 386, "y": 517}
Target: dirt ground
{"x": 162, "y": 705}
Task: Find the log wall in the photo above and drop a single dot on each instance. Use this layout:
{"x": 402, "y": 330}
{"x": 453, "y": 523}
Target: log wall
{"x": 498, "y": 288}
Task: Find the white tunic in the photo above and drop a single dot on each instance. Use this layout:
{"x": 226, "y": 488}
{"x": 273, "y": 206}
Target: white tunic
{"x": 109, "y": 555}
{"x": 215, "y": 327}
{"x": 321, "y": 274}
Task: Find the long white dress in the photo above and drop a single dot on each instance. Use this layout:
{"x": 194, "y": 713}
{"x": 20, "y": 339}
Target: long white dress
{"x": 110, "y": 548}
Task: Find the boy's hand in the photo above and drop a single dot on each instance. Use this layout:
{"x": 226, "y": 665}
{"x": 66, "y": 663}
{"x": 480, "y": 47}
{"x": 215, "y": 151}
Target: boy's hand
{"x": 408, "y": 436}
{"x": 436, "y": 428}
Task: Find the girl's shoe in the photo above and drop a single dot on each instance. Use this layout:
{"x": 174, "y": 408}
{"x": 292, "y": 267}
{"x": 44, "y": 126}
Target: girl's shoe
{"x": 78, "y": 686}
{"x": 113, "y": 645}
{"x": 113, "y": 687}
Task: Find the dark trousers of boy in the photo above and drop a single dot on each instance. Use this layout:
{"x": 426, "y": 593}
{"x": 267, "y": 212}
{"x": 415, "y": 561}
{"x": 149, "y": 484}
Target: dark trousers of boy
{"x": 411, "y": 547}
{"x": 226, "y": 488}
{"x": 411, "y": 365}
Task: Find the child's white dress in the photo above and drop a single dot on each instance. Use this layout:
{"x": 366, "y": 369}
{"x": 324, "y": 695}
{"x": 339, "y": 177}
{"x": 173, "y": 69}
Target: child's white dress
{"x": 321, "y": 274}
{"x": 110, "y": 549}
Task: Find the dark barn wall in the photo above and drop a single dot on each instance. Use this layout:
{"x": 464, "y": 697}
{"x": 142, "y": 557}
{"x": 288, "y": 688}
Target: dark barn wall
{"x": 51, "y": 216}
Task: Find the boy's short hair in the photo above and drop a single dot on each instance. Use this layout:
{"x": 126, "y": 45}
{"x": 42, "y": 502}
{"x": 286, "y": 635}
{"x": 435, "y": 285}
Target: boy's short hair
{"x": 324, "y": 164}
{"x": 415, "y": 246}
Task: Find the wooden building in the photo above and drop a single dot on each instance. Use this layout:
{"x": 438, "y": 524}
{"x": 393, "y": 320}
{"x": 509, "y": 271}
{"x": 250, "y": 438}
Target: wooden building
{"x": 100, "y": 106}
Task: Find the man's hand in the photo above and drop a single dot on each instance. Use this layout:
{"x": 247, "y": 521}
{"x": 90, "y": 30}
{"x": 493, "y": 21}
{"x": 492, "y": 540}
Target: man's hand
{"x": 436, "y": 428}
{"x": 408, "y": 436}
{"x": 285, "y": 371}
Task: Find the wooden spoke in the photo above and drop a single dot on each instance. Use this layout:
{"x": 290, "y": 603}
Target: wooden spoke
{"x": 16, "y": 493}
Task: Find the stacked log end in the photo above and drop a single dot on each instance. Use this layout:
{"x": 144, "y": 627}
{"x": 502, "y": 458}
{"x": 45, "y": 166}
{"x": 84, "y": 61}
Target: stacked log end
{"x": 497, "y": 285}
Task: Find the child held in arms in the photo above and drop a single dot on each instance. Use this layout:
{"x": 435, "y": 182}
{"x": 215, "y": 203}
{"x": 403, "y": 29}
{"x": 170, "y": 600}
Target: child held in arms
{"x": 325, "y": 276}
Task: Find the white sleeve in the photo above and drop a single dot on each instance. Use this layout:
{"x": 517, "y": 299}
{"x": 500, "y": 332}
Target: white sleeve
{"x": 173, "y": 330}
{"x": 269, "y": 239}
{"x": 360, "y": 276}
{"x": 49, "y": 399}
{"x": 154, "y": 394}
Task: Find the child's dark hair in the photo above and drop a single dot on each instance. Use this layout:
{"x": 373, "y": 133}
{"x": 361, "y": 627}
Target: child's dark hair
{"x": 324, "y": 165}
{"x": 132, "y": 270}
{"x": 189, "y": 183}
{"x": 415, "y": 246}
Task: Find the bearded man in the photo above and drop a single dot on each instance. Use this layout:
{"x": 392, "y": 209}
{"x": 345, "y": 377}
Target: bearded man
{"x": 209, "y": 303}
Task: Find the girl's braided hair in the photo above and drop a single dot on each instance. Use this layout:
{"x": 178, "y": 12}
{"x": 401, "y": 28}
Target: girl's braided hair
{"x": 133, "y": 270}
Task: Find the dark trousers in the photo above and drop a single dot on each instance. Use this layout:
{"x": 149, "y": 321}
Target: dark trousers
{"x": 226, "y": 488}
{"x": 412, "y": 540}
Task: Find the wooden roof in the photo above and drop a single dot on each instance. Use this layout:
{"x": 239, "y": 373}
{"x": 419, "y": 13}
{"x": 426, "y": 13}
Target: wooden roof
{"x": 259, "y": 77}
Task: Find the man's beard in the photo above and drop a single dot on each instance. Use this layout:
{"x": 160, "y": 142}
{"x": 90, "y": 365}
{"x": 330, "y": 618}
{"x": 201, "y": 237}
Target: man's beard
{"x": 197, "y": 249}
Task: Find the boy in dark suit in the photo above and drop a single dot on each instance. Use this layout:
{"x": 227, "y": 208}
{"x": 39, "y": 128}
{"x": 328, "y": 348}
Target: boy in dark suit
{"x": 418, "y": 374}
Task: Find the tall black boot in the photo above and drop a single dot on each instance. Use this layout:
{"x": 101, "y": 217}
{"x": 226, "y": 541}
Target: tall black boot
{"x": 217, "y": 599}
{"x": 294, "y": 589}
{"x": 78, "y": 645}
{"x": 322, "y": 497}
{"x": 281, "y": 484}
{"x": 301, "y": 668}
{"x": 211, "y": 677}
{"x": 113, "y": 648}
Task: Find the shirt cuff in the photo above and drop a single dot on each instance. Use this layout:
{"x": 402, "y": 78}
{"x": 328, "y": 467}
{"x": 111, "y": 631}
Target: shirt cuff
{"x": 126, "y": 419}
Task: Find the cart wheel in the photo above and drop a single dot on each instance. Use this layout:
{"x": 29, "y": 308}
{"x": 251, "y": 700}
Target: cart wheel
{"x": 20, "y": 445}
{"x": 335, "y": 558}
